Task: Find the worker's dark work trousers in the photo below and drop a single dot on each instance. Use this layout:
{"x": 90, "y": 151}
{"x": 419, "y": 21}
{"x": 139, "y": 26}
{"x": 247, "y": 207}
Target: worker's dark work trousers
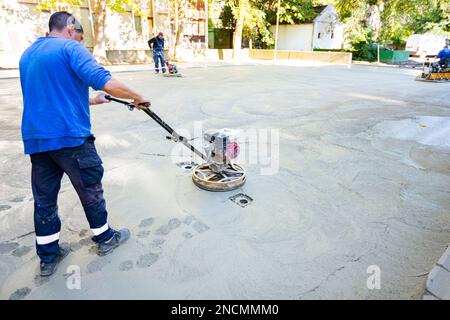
{"x": 158, "y": 55}
{"x": 84, "y": 168}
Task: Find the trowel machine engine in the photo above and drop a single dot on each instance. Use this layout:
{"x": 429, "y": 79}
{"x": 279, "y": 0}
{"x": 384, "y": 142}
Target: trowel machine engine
{"x": 219, "y": 172}
{"x": 221, "y": 147}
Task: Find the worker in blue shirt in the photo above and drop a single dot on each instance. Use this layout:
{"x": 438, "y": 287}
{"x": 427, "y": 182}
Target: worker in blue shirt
{"x": 157, "y": 45}
{"x": 444, "y": 56}
{"x": 55, "y": 74}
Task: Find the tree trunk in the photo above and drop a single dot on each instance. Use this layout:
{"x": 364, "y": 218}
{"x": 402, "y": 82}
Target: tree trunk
{"x": 177, "y": 41}
{"x": 177, "y": 23}
{"x": 181, "y": 22}
{"x": 99, "y": 32}
{"x": 374, "y": 18}
{"x": 237, "y": 37}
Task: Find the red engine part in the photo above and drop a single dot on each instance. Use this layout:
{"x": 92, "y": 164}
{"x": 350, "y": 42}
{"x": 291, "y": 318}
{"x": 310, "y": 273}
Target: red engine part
{"x": 232, "y": 150}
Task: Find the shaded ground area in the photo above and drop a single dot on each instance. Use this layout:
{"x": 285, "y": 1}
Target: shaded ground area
{"x": 351, "y": 191}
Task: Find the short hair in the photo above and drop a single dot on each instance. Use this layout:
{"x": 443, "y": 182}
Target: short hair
{"x": 446, "y": 47}
{"x": 79, "y": 29}
{"x": 61, "y": 19}
{"x": 160, "y": 34}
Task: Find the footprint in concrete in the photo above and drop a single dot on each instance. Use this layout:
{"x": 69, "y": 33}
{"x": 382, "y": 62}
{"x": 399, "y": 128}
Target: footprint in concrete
{"x": 97, "y": 265}
{"x": 20, "y": 293}
{"x": 143, "y": 234}
{"x": 21, "y": 251}
{"x": 200, "y": 227}
{"x": 39, "y": 281}
{"x": 187, "y": 235}
{"x": 188, "y": 220}
{"x": 83, "y": 232}
{"x": 197, "y": 225}
{"x": 93, "y": 249}
{"x": 174, "y": 223}
{"x": 126, "y": 265}
{"x": 18, "y": 199}
{"x": 6, "y": 247}
{"x": 4, "y": 207}
{"x": 74, "y": 246}
{"x": 85, "y": 241}
{"x": 147, "y": 260}
{"x": 167, "y": 228}
{"x": 156, "y": 244}
{"x": 146, "y": 222}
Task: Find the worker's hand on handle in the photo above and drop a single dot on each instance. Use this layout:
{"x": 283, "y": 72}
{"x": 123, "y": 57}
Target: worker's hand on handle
{"x": 99, "y": 99}
{"x": 119, "y": 90}
{"x": 141, "y": 103}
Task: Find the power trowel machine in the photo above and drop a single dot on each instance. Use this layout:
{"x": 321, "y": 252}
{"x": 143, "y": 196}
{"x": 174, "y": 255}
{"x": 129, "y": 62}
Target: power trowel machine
{"x": 435, "y": 71}
{"x": 219, "y": 172}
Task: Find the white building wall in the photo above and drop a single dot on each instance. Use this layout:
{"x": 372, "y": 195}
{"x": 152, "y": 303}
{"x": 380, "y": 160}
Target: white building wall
{"x": 294, "y": 36}
{"x": 120, "y": 32}
{"x": 20, "y": 25}
{"x": 328, "y": 31}
{"x": 330, "y": 38}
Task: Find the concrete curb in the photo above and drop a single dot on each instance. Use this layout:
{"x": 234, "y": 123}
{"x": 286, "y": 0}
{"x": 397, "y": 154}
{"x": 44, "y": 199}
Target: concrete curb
{"x": 438, "y": 281}
{"x": 386, "y": 65}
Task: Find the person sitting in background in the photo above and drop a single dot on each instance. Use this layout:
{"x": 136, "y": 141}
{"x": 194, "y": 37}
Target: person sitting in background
{"x": 444, "y": 57}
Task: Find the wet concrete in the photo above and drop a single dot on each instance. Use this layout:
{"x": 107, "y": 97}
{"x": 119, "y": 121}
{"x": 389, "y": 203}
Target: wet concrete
{"x": 344, "y": 197}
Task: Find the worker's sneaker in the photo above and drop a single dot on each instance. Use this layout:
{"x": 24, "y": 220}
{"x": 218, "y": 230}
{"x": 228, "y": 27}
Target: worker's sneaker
{"x": 118, "y": 238}
{"x": 47, "y": 269}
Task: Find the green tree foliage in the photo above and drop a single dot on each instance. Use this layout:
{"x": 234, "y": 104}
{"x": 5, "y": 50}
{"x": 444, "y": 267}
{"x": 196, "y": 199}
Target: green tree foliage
{"x": 403, "y": 18}
{"x": 51, "y": 5}
{"x": 227, "y": 18}
{"x": 261, "y": 14}
{"x": 291, "y": 11}
{"x": 114, "y": 5}
{"x": 247, "y": 19}
{"x": 398, "y": 19}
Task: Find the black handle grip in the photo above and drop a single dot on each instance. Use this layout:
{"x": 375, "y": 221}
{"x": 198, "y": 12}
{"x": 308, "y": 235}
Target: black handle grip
{"x": 127, "y": 103}
{"x": 108, "y": 97}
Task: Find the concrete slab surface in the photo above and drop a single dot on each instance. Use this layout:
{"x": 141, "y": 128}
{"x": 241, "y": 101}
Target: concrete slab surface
{"x": 354, "y": 179}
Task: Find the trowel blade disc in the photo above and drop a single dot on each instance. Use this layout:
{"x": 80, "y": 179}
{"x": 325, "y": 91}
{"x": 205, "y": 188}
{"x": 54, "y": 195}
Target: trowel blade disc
{"x": 232, "y": 178}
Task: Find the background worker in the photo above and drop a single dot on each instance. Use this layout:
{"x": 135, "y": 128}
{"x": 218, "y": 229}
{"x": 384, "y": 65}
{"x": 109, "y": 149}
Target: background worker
{"x": 55, "y": 74}
{"x": 444, "y": 56}
{"x": 157, "y": 45}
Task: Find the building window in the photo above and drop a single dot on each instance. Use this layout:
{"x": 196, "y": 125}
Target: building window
{"x": 332, "y": 34}
{"x": 318, "y": 35}
{"x": 196, "y": 21}
{"x": 138, "y": 25}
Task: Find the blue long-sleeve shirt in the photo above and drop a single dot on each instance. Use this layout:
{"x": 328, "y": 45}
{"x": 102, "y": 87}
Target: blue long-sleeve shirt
{"x": 443, "y": 55}
{"x": 55, "y": 75}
